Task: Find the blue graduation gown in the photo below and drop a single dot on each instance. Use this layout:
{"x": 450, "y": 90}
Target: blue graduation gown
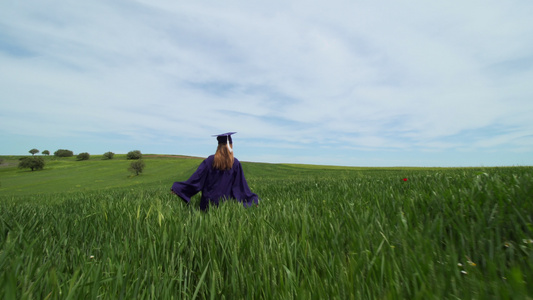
{"x": 216, "y": 185}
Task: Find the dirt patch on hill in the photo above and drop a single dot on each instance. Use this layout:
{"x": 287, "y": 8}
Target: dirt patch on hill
{"x": 8, "y": 164}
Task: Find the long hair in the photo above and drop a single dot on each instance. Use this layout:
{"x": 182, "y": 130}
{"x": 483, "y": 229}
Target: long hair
{"x": 223, "y": 158}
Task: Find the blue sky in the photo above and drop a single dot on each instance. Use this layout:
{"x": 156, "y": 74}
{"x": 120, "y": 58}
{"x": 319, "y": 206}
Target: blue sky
{"x": 354, "y": 83}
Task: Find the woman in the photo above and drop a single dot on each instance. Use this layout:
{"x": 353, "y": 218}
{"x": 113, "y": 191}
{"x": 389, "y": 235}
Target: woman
{"x": 219, "y": 177}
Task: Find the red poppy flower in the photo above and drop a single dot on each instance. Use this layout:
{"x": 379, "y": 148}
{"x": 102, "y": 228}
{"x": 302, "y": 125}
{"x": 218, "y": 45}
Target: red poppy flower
{"x": 405, "y": 179}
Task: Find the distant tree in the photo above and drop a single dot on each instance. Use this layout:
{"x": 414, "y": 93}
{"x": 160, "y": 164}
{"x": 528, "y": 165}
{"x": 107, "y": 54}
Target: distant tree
{"x": 33, "y": 151}
{"x": 137, "y": 167}
{"x": 109, "y": 155}
{"x": 34, "y": 163}
{"x": 83, "y": 156}
{"x": 135, "y": 154}
{"x": 63, "y": 153}
{"x": 46, "y": 152}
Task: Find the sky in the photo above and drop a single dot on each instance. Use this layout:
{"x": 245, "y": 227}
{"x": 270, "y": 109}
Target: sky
{"x": 350, "y": 83}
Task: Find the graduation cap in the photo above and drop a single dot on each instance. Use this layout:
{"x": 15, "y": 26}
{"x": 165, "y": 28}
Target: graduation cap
{"x": 225, "y": 139}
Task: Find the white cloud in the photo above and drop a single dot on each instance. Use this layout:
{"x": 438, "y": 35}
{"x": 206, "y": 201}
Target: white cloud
{"x": 364, "y": 75}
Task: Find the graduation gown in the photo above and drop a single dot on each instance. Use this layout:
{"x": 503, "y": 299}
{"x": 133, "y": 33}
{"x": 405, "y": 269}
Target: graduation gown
{"x": 216, "y": 185}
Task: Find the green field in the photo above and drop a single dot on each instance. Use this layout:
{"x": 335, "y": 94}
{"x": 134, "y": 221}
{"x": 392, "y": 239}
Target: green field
{"x": 89, "y": 229}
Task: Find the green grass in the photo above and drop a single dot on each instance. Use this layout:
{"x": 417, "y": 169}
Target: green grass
{"x": 70, "y": 175}
{"x": 318, "y": 233}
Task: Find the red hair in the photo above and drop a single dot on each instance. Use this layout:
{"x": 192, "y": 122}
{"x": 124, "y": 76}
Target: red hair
{"x": 223, "y": 158}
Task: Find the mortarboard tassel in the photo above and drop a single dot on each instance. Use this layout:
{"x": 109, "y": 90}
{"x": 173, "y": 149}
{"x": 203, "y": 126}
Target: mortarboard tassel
{"x": 227, "y": 144}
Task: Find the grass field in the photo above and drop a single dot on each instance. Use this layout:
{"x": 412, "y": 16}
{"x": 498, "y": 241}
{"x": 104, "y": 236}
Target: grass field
{"x": 89, "y": 229}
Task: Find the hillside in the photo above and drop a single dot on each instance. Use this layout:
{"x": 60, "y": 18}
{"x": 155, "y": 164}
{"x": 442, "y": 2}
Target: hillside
{"x": 69, "y": 175}
{"x": 89, "y": 229}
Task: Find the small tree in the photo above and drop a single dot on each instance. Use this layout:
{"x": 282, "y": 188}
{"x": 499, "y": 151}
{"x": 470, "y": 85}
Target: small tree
{"x": 34, "y": 163}
{"x": 46, "y": 152}
{"x": 33, "y": 151}
{"x": 63, "y": 153}
{"x": 137, "y": 167}
{"x": 83, "y": 156}
{"x": 135, "y": 154}
{"x": 109, "y": 155}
